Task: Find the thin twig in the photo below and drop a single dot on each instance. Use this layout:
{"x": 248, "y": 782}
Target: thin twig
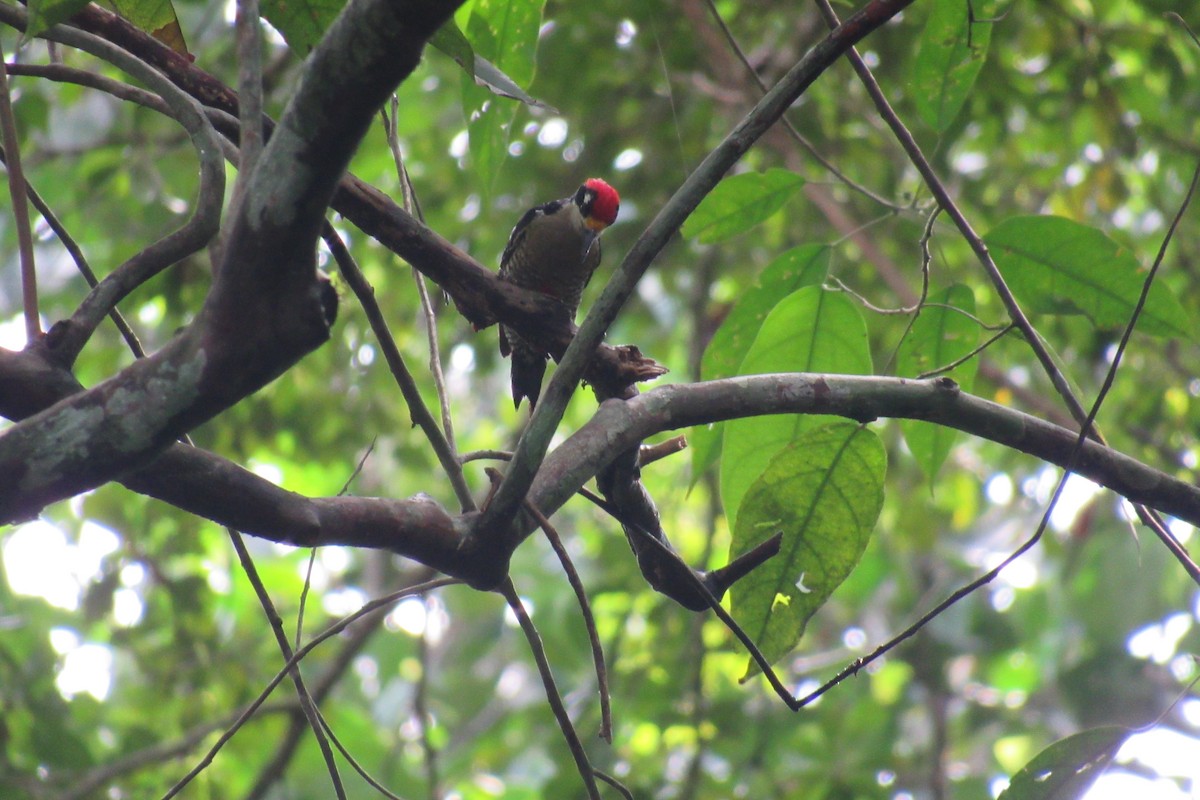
{"x": 964, "y": 359}
{"x": 795, "y": 134}
{"x": 649, "y": 453}
{"x": 404, "y": 379}
{"x": 303, "y": 604}
{"x": 16, "y": 190}
{"x": 916, "y": 308}
{"x": 836, "y": 284}
{"x": 81, "y": 263}
{"x": 412, "y": 206}
{"x": 585, "y": 609}
{"x": 358, "y": 468}
{"x": 483, "y": 455}
{"x": 354, "y": 763}
{"x": 552, "y": 695}
{"x": 1183, "y": 23}
{"x": 285, "y": 647}
{"x": 613, "y": 782}
{"x": 713, "y": 602}
{"x": 331, "y": 631}
{"x": 118, "y": 89}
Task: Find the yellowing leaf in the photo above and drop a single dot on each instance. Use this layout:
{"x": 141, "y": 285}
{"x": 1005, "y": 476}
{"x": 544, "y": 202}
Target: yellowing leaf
{"x": 823, "y": 493}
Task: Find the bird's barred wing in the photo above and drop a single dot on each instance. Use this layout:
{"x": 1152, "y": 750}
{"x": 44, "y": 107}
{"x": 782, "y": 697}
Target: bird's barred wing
{"x": 522, "y": 227}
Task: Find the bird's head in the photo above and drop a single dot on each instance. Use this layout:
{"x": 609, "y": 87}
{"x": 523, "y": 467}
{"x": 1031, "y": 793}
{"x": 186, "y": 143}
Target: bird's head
{"x": 598, "y": 203}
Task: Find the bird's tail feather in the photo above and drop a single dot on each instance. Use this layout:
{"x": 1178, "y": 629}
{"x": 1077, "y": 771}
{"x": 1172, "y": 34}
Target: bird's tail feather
{"x": 528, "y": 369}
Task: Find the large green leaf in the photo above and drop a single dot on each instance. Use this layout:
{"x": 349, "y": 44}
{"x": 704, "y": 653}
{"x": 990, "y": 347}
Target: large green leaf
{"x": 740, "y": 202}
{"x": 505, "y": 35}
{"x": 951, "y": 54}
{"x": 1058, "y": 266}
{"x": 823, "y": 493}
{"x": 1066, "y": 769}
{"x": 513, "y": 33}
{"x": 942, "y": 334}
{"x": 810, "y": 330}
{"x": 802, "y": 266}
{"x": 453, "y": 42}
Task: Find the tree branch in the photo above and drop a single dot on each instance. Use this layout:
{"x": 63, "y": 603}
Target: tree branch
{"x": 421, "y": 529}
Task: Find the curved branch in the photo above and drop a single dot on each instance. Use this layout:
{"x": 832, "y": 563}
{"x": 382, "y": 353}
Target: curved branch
{"x": 192, "y": 236}
{"x": 421, "y": 529}
{"x": 620, "y": 425}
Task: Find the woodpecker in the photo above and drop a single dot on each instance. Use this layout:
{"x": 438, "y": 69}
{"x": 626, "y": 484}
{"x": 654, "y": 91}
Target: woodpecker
{"x": 554, "y": 249}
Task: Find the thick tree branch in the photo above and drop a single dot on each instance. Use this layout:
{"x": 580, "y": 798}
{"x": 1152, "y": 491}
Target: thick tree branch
{"x": 420, "y": 529}
{"x": 618, "y": 425}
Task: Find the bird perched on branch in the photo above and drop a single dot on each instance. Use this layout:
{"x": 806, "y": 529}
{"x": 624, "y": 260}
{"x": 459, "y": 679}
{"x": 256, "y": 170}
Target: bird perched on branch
{"x": 554, "y": 249}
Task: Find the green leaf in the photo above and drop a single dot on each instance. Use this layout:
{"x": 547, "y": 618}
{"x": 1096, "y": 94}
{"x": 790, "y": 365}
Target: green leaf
{"x": 939, "y": 336}
{"x": 1066, "y": 769}
{"x": 512, "y": 35}
{"x": 1056, "y": 266}
{"x": 302, "y": 23}
{"x": 157, "y": 17}
{"x": 807, "y": 265}
{"x": 45, "y": 14}
{"x": 739, "y": 203}
{"x": 490, "y": 77}
{"x": 802, "y": 266}
{"x": 810, "y": 330}
{"x": 823, "y": 492}
{"x": 505, "y": 33}
{"x": 489, "y": 129}
{"x": 951, "y": 54}
{"x": 453, "y": 42}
